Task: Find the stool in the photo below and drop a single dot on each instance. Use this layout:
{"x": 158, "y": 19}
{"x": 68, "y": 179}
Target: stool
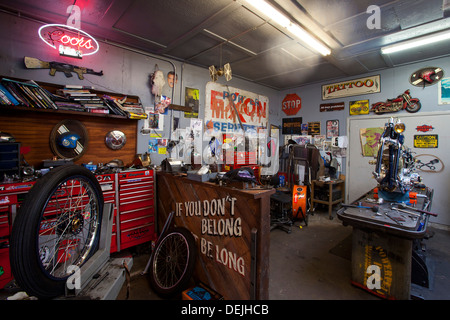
{"x": 281, "y": 211}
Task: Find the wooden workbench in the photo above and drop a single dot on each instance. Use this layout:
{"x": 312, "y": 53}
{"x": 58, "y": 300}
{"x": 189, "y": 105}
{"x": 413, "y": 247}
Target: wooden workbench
{"x": 231, "y": 227}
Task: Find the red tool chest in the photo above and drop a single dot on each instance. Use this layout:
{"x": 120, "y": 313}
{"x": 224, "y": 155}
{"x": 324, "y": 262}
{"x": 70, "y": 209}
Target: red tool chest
{"x": 11, "y": 195}
{"x": 131, "y": 192}
{"x": 136, "y": 205}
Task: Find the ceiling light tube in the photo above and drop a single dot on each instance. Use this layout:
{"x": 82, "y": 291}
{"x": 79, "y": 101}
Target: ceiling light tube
{"x": 276, "y": 16}
{"x": 416, "y": 42}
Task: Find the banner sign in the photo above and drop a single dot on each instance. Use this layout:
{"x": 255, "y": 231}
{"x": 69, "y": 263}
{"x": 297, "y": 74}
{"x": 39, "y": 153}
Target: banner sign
{"x": 349, "y": 88}
{"x": 252, "y": 108}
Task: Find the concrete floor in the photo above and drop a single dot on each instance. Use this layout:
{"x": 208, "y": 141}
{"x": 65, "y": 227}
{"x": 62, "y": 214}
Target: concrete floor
{"x": 313, "y": 263}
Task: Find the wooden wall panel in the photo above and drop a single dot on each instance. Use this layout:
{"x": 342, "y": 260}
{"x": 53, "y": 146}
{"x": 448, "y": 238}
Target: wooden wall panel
{"x": 33, "y": 128}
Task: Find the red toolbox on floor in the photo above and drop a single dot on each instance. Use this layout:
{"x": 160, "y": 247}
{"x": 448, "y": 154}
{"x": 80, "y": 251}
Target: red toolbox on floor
{"x": 131, "y": 192}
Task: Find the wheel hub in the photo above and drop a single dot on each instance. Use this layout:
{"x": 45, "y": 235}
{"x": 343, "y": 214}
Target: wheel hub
{"x": 73, "y": 224}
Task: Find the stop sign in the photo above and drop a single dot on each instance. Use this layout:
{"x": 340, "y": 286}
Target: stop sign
{"x": 291, "y": 104}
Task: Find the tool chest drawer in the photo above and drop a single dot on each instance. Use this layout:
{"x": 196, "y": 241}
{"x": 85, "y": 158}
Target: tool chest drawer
{"x": 135, "y": 218}
{"x": 137, "y": 235}
{"x": 5, "y": 268}
{"x": 4, "y": 222}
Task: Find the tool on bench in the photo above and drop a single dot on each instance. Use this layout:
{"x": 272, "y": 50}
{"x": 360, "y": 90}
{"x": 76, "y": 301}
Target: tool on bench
{"x": 402, "y": 206}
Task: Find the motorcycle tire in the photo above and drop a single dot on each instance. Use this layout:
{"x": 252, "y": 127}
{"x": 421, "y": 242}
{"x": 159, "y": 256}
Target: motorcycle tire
{"x": 413, "y": 107}
{"x": 57, "y": 227}
{"x": 172, "y": 262}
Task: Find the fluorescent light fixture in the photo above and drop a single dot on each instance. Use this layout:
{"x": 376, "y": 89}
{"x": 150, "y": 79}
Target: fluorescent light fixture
{"x": 276, "y": 16}
{"x": 416, "y": 42}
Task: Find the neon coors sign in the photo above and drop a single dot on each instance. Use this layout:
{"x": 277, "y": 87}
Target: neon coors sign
{"x": 69, "y": 41}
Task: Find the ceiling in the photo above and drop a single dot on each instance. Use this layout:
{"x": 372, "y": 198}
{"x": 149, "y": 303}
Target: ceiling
{"x": 215, "y": 32}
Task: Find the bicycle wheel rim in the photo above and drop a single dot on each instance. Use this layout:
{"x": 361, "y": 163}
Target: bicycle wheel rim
{"x": 171, "y": 261}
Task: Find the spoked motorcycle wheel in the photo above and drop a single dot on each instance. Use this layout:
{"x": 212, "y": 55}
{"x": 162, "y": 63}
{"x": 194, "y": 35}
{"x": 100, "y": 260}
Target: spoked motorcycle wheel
{"x": 413, "y": 106}
{"x": 172, "y": 262}
{"x": 57, "y": 227}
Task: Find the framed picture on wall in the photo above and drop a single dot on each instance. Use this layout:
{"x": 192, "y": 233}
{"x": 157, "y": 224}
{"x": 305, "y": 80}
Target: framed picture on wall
{"x": 444, "y": 91}
{"x": 291, "y": 125}
{"x": 314, "y": 128}
{"x": 332, "y": 128}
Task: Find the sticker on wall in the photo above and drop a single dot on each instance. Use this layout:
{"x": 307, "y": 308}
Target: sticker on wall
{"x": 424, "y": 128}
{"x": 426, "y": 141}
{"x": 426, "y": 76}
{"x": 359, "y": 107}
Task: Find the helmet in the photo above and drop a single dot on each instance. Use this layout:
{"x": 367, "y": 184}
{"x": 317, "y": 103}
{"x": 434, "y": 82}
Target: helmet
{"x": 68, "y": 140}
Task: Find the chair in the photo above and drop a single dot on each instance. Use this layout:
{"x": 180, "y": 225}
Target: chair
{"x": 281, "y": 211}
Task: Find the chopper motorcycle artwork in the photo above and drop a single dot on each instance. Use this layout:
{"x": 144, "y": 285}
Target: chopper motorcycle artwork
{"x": 402, "y": 102}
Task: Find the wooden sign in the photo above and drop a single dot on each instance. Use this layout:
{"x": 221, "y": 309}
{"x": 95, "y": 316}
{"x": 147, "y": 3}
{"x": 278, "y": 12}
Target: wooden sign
{"x": 231, "y": 228}
{"x": 332, "y": 106}
{"x": 361, "y": 86}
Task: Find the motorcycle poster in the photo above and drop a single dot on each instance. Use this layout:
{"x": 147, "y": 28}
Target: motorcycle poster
{"x": 359, "y": 107}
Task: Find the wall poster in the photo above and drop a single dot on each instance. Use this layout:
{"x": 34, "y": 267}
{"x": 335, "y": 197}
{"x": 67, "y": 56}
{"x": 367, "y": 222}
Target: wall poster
{"x": 191, "y": 100}
{"x": 253, "y": 108}
{"x": 332, "y": 128}
{"x": 370, "y": 141}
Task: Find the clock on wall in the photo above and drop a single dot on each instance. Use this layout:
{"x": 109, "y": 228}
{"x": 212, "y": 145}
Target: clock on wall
{"x": 115, "y": 139}
{"x": 69, "y": 139}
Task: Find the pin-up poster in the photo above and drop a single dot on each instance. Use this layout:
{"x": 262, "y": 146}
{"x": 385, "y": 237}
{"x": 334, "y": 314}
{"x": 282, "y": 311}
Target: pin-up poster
{"x": 253, "y": 108}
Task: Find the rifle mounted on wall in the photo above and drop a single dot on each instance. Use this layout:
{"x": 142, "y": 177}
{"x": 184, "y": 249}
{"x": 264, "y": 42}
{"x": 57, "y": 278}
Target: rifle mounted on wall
{"x": 33, "y": 63}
